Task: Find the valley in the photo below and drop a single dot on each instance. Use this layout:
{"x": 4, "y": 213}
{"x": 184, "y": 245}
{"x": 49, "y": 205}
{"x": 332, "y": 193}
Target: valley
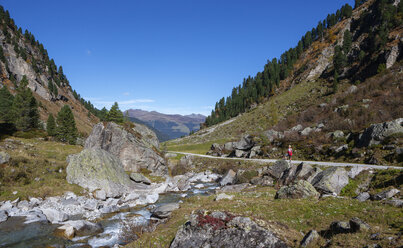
{"x": 306, "y": 153}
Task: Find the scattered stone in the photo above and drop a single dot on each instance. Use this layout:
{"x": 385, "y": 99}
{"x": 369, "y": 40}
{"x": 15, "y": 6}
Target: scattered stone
{"x": 297, "y": 128}
{"x": 164, "y": 211}
{"x": 100, "y": 195}
{"x": 352, "y": 89}
{"x": 309, "y": 238}
{"x": 375, "y": 236}
{"x": 139, "y": 178}
{"x": 341, "y": 148}
{"x": 223, "y": 196}
{"x": 3, "y": 216}
{"x": 355, "y": 170}
{"x": 357, "y": 225}
{"x": 229, "y": 178}
{"x": 337, "y": 134}
{"x": 363, "y": 196}
{"x": 386, "y": 194}
{"x": 273, "y": 135}
{"x": 66, "y": 231}
{"x": 279, "y": 167}
{"x": 307, "y": 131}
{"x": 331, "y": 180}
{"x": 339, "y": 227}
{"x": 395, "y": 202}
{"x": 245, "y": 143}
{"x": 4, "y": 157}
{"x": 54, "y": 216}
{"x": 223, "y": 230}
{"x": 302, "y": 189}
{"x": 262, "y": 181}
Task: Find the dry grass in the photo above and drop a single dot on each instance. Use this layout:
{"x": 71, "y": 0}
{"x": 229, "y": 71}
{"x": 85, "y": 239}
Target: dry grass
{"x": 288, "y": 218}
{"x": 37, "y": 168}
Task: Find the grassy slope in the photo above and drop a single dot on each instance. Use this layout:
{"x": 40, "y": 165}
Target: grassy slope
{"x": 35, "y": 158}
{"x": 288, "y": 218}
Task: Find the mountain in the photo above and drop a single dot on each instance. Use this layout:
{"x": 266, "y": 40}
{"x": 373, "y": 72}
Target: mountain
{"x": 172, "y": 126}
{"x": 342, "y": 83}
{"x": 22, "y": 55}
{"x": 161, "y": 136}
{"x": 351, "y": 45}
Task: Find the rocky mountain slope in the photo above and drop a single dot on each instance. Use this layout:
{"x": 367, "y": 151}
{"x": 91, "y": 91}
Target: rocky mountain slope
{"x": 366, "y": 92}
{"x": 173, "y": 126}
{"x": 22, "y": 55}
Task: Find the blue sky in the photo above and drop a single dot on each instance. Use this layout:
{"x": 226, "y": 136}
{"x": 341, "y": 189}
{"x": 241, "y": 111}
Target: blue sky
{"x": 169, "y": 56}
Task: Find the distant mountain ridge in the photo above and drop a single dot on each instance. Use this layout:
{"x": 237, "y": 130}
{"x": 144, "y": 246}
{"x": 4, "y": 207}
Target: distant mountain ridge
{"x": 171, "y": 126}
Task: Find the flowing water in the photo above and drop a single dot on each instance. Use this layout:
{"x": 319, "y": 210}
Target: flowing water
{"x": 15, "y": 234}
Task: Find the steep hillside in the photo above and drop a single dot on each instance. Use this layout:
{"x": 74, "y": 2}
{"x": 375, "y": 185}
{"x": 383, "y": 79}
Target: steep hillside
{"x": 173, "y": 126}
{"x": 367, "y": 91}
{"x": 22, "y": 55}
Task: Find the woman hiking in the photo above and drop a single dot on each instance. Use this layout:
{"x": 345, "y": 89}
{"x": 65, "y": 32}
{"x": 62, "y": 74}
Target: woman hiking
{"x": 289, "y": 153}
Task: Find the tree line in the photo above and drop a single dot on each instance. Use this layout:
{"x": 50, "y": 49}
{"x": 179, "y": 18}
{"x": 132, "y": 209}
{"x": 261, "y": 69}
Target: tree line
{"x": 21, "y": 111}
{"x": 256, "y": 89}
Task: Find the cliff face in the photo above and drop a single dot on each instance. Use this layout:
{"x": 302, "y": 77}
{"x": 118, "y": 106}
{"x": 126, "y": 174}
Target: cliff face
{"x": 22, "y": 55}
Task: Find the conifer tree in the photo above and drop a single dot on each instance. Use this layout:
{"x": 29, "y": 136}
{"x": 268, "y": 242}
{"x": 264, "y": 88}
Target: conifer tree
{"x": 66, "y": 125}
{"x": 115, "y": 114}
{"x": 25, "y": 107}
{"x": 6, "y": 101}
{"x": 347, "y": 40}
{"x": 103, "y": 113}
{"x": 51, "y": 126}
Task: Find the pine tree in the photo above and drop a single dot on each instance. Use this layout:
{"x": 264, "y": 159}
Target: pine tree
{"x": 25, "y": 107}
{"x": 115, "y": 114}
{"x": 339, "y": 59}
{"x": 6, "y": 101}
{"x": 66, "y": 126}
{"x": 51, "y": 126}
{"x": 347, "y": 40}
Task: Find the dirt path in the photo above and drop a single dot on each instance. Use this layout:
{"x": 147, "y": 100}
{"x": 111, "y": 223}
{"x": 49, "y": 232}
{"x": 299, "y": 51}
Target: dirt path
{"x": 297, "y": 162}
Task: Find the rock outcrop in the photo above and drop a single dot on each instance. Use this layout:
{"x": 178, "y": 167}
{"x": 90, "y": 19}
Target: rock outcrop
{"x": 220, "y": 229}
{"x": 331, "y": 180}
{"x": 133, "y": 152}
{"x": 95, "y": 169}
{"x": 301, "y": 189}
{"x": 376, "y": 133}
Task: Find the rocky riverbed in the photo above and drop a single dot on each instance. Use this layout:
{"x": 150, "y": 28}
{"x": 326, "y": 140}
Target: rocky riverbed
{"x": 73, "y": 221}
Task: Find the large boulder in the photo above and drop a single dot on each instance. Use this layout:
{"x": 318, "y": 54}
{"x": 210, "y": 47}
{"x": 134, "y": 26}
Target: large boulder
{"x": 147, "y": 135}
{"x": 164, "y": 211}
{"x": 376, "y": 133}
{"x": 98, "y": 169}
{"x": 277, "y": 170}
{"x": 220, "y": 229}
{"x": 229, "y": 178}
{"x": 301, "y": 189}
{"x": 331, "y": 180}
{"x": 273, "y": 135}
{"x": 245, "y": 143}
{"x": 129, "y": 146}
